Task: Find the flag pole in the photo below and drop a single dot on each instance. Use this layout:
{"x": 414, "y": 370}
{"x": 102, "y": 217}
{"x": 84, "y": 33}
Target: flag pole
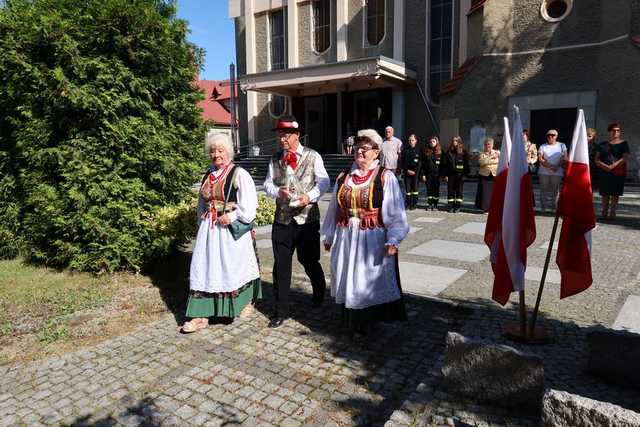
{"x": 523, "y": 315}
{"x": 534, "y": 315}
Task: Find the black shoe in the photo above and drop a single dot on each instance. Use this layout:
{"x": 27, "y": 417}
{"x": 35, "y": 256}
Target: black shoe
{"x": 275, "y": 322}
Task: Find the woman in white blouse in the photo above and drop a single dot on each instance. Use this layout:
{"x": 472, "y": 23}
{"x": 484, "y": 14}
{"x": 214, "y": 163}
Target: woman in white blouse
{"x": 220, "y": 286}
{"x": 552, "y": 157}
{"x": 363, "y": 227}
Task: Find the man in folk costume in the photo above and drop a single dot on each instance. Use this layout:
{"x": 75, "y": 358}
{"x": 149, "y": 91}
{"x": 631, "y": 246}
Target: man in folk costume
{"x": 296, "y": 179}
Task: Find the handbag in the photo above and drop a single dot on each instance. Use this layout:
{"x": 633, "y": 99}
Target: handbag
{"x": 237, "y": 228}
{"x": 621, "y": 169}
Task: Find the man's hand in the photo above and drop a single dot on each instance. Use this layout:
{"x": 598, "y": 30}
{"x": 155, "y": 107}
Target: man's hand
{"x": 283, "y": 193}
{"x": 303, "y": 200}
{"x": 224, "y": 220}
{"x": 391, "y": 250}
{"x": 410, "y": 172}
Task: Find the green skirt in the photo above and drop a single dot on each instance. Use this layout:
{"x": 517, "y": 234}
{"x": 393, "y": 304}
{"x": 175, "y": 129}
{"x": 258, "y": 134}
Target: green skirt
{"x": 223, "y": 304}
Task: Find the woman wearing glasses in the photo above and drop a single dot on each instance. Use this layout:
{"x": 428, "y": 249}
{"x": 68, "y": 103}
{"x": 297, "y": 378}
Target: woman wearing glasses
{"x": 363, "y": 227}
{"x": 551, "y": 157}
{"x": 612, "y": 157}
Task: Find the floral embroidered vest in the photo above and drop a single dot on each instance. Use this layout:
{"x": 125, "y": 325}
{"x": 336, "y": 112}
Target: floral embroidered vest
{"x": 363, "y": 201}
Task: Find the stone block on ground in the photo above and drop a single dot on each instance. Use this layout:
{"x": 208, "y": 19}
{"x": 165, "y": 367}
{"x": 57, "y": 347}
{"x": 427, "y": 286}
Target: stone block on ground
{"x": 560, "y": 409}
{"x": 615, "y": 356}
{"x": 493, "y": 373}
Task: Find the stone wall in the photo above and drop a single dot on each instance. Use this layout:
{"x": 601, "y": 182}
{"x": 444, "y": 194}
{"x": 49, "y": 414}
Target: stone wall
{"x": 415, "y": 41}
{"x": 610, "y": 70}
{"x": 306, "y": 54}
{"x": 262, "y": 42}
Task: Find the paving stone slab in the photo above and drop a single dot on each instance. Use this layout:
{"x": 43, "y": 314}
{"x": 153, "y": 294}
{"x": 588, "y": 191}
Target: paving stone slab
{"x": 545, "y": 245}
{"x": 428, "y": 219}
{"x": 429, "y": 280}
{"x": 263, "y": 243}
{"x": 629, "y": 317}
{"x": 265, "y": 229}
{"x": 414, "y": 230}
{"x": 459, "y": 251}
{"x": 472, "y": 228}
{"x": 535, "y": 274}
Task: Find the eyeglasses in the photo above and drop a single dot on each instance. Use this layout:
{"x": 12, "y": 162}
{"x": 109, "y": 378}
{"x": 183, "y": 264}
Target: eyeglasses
{"x": 614, "y": 130}
{"x": 364, "y": 148}
{"x": 552, "y": 135}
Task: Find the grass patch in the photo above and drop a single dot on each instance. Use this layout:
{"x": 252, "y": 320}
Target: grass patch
{"x": 31, "y": 296}
{"x": 45, "y": 311}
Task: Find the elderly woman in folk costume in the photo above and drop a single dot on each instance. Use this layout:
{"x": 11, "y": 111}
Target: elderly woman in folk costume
{"x": 220, "y": 286}
{"x": 363, "y": 227}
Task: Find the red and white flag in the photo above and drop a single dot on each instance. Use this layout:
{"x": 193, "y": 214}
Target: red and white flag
{"x": 575, "y": 206}
{"x": 493, "y": 229}
{"x": 517, "y": 229}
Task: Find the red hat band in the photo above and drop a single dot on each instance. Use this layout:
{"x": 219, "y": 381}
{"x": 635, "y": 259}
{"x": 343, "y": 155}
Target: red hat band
{"x": 282, "y": 124}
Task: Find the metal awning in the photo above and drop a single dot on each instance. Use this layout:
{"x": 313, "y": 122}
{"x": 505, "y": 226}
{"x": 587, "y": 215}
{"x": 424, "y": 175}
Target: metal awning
{"x": 357, "y": 74}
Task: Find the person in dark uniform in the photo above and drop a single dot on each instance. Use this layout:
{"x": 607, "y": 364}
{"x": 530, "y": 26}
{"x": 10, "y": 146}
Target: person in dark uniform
{"x": 432, "y": 167}
{"x": 296, "y": 179}
{"x": 456, "y": 167}
{"x": 411, "y": 164}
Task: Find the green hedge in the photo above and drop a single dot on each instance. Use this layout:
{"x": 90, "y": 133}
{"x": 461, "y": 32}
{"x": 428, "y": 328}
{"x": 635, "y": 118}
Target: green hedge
{"x": 99, "y": 130}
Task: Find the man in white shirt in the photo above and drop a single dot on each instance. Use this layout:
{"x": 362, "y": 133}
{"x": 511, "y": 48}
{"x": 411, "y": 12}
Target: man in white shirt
{"x": 390, "y": 151}
{"x": 296, "y": 179}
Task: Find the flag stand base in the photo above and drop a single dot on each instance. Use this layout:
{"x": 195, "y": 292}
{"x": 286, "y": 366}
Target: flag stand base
{"x": 514, "y": 332}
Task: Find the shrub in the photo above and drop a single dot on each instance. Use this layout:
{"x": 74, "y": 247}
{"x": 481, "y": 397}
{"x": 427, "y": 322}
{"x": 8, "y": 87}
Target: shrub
{"x": 174, "y": 226}
{"x": 99, "y": 129}
{"x": 266, "y": 210}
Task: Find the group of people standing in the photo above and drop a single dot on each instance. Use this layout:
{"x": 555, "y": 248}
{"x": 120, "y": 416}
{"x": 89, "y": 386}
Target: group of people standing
{"x": 429, "y": 164}
{"x": 433, "y": 165}
{"x": 363, "y": 228}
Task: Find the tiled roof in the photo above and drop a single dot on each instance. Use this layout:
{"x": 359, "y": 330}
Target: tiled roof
{"x": 216, "y": 95}
{"x": 458, "y": 76}
{"x": 475, "y": 6}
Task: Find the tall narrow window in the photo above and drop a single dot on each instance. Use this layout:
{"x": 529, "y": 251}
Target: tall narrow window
{"x": 440, "y": 46}
{"x": 321, "y": 25}
{"x": 278, "y": 28}
{"x": 375, "y": 21}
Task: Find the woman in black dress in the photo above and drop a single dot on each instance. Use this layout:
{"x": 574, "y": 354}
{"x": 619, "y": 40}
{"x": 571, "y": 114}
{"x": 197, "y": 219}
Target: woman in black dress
{"x": 611, "y": 159}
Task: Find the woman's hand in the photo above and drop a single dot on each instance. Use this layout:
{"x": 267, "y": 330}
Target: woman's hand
{"x": 205, "y": 191}
{"x": 224, "y": 220}
{"x": 424, "y": 178}
{"x": 410, "y": 172}
{"x": 391, "y": 250}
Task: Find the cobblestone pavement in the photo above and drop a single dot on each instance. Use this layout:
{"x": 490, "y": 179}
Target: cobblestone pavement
{"x": 311, "y": 372}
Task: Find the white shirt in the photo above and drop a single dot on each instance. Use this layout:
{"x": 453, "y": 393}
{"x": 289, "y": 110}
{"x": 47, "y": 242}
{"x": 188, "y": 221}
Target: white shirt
{"x": 322, "y": 179}
{"x": 553, "y": 155}
{"x": 390, "y": 152}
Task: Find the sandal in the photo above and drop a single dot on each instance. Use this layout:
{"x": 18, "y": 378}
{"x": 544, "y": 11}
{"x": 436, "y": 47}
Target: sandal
{"x": 194, "y": 325}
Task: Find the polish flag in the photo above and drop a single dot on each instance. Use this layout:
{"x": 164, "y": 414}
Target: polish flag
{"x": 493, "y": 229}
{"x": 517, "y": 226}
{"x": 575, "y": 206}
